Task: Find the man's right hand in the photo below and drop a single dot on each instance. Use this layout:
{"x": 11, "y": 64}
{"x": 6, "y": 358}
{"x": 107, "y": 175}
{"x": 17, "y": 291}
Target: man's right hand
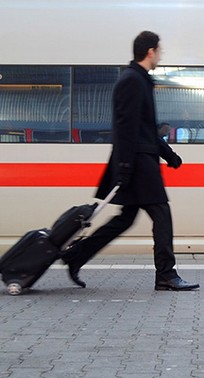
{"x": 123, "y": 176}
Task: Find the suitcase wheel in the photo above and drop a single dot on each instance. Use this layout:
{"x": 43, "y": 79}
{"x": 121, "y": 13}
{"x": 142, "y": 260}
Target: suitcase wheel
{"x": 14, "y": 288}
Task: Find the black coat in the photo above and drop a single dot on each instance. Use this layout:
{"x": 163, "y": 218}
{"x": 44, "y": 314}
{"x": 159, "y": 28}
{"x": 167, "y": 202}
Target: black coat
{"x": 136, "y": 144}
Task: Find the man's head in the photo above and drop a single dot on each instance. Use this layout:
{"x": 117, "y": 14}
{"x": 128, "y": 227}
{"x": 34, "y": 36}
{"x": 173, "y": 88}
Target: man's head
{"x": 147, "y": 50}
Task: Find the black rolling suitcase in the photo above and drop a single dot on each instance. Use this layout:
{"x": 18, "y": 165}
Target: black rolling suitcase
{"x": 32, "y": 255}
{"x": 27, "y": 260}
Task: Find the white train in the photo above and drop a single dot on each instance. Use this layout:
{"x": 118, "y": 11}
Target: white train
{"x": 59, "y": 62}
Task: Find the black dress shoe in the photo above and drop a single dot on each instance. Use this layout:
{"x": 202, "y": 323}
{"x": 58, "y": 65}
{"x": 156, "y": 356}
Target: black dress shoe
{"x": 175, "y": 284}
{"x": 74, "y": 275}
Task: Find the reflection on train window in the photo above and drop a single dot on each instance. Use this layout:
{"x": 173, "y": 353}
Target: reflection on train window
{"x": 92, "y": 94}
{"x": 190, "y": 135}
{"x": 36, "y": 101}
{"x": 179, "y": 95}
{"x": 17, "y": 136}
{"x": 73, "y": 104}
{"x": 94, "y": 136}
{"x": 183, "y": 110}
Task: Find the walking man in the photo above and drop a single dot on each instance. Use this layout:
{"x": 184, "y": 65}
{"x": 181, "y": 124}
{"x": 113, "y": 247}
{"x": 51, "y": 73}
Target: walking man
{"x": 134, "y": 164}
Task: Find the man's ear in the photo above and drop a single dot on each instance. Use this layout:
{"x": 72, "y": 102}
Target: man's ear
{"x": 150, "y": 52}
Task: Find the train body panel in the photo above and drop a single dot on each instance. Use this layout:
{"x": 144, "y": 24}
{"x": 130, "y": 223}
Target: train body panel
{"x": 97, "y": 32}
{"x": 63, "y": 32}
{"x": 31, "y": 207}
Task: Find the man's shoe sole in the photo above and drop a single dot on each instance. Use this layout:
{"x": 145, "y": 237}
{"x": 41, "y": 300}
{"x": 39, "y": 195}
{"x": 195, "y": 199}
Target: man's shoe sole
{"x": 171, "y": 288}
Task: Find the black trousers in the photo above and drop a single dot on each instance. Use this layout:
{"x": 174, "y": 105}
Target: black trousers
{"x": 160, "y": 214}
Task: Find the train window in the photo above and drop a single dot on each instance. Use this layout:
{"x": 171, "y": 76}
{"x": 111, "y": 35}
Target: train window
{"x": 179, "y": 95}
{"x": 72, "y": 104}
{"x": 92, "y": 93}
{"x": 36, "y": 101}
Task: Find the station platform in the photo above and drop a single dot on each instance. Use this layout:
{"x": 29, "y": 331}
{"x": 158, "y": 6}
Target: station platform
{"x": 117, "y": 327}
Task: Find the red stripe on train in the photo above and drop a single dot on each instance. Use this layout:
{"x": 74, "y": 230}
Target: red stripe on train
{"x": 50, "y": 174}
{"x": 86, "y": 174}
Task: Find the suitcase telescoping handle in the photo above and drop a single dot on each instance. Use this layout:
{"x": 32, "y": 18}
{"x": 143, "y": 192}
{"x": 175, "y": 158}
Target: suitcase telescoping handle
{"x": 106, "y": 200}
{"x": 98, "y": 208}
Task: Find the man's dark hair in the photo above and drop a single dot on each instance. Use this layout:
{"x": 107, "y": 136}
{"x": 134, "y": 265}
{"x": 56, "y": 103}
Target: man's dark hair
{"x": 142, "y": 43}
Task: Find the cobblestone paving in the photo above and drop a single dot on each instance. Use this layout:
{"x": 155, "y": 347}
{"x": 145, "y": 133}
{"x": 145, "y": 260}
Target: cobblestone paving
{"x": 117, "y": 327}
